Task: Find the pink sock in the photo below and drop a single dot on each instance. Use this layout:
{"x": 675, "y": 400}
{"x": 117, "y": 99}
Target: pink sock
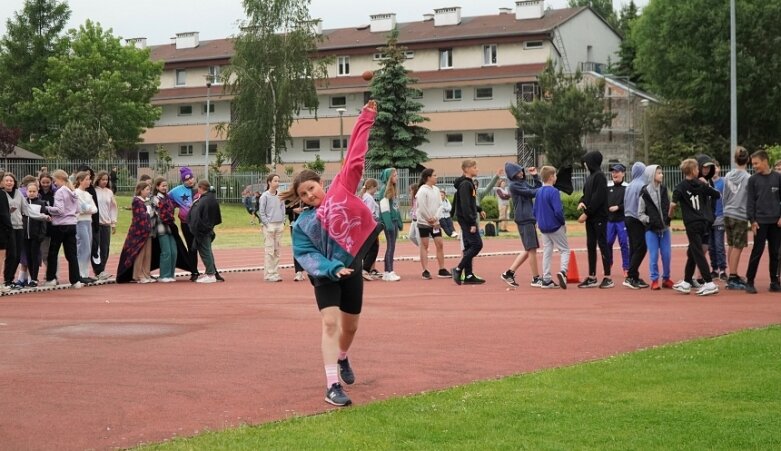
{"x": 331, "y": 374}
{"x": 342, "y": 355}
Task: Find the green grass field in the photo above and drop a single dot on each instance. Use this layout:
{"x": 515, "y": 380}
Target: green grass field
{"x": 720, "y": 393}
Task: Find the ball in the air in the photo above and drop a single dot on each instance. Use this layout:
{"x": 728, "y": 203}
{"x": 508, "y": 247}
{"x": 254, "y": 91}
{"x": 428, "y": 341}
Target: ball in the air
{"x": 368, "y": 75}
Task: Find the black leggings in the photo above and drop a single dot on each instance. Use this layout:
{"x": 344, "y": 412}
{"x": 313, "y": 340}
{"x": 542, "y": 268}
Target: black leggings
{"x": 637, "y": 247}
{"x": 346, "y": 293}
{"x": 596, "y": 234}
{"x": 371, "y": 255}
{"x": 192, "y": 249}
{"x": 65, "y": 236}
{"x": 32, "y": 248}
{"x": 13, "y": 254}
{"x": 101, "y": 241}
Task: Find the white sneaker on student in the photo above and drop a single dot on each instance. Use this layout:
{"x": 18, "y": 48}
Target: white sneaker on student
{"x": 299, "y": 276}
{"x": 50, "y": 283}
{"x": 708, "y": 289}
{"x": 206, "y": 278}
{"x": 166, "y": 280}
{"x": 390, "y": 277}
{"x": 77, "y": 285}
{"x": 104, "y": 276}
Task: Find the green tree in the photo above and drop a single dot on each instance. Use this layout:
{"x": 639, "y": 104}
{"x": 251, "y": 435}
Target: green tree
{"x": 272, "y": 77}
{"x": 628, "y": 51}
{"x": 101, "y": 85}
{"x": 602, "y": 7}
{"x": 32, "y": 36}
{"x": 673, "y": 135}
{"x": 683, "y": 54}
{"x": 395, "y": 137}
{"x": 567, "y": 111}
{"x": 78, "y": 141}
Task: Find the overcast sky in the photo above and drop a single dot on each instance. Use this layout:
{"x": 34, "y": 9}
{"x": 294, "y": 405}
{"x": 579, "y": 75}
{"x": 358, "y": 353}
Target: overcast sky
{"x": 159, "y": 20}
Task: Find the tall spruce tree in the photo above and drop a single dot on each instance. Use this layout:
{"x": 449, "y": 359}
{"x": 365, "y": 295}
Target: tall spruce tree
{"x": 32, "y": 36}
{"x": 628, "y": 51}
{"x": 272, "y": 76}
{"x": 395, "y": 137}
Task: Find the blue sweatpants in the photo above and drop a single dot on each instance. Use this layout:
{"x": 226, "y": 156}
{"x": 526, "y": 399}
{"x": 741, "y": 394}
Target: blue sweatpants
{"x": 618, "y": 230}
{"x": 659, "y": 242}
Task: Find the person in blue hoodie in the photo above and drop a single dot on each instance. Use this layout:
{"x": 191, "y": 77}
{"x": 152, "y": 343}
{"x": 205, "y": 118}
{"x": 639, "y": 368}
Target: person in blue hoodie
{"x": 593, "y": 204}
{"x": 635, "y": 228}
{"x": 549, "y": 212}
{"x": 523, "y": 194}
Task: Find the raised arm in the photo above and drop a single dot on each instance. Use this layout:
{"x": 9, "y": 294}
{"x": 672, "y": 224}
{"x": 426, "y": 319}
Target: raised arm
{"x": 355, "y": 160}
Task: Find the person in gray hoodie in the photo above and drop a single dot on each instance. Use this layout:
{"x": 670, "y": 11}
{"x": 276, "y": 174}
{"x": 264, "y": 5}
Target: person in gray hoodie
{"x": 634, "y": 227}
{"x": 523, "y": 194}
{"x": 735, "y": 217}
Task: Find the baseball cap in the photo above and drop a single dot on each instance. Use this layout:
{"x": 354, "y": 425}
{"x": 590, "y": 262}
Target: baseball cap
{"x": 618, "y": 168}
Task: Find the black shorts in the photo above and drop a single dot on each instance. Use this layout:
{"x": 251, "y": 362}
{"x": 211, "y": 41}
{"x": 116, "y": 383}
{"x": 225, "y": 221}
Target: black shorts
{"x": 426, "y": 232}
{"x": 347, "y": 293}
{"x": 528, "y": 234}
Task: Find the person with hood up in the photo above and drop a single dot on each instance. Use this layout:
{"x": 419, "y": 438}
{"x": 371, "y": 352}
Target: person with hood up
{"x": 707, "y": 169}
{"x": 616, "y": 227}
{"x": 653, "y": 211}
{"x": 735, "y": 218}
{"x": 391, "y": 220}
{"x": 763, "y": 209}
{"x": 523, "y": 194}
{"x": 465, "y": 211}
{"x": 594, "y": 207}
{"x": 694, "y": 195}
{"x": 634, "y": 227}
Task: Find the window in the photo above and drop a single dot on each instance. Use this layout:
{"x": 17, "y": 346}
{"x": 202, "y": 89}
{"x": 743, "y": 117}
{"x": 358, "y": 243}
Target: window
{"x": 527, "y": 92}
{"x": 212, "y": 148}
{"x": 215, "y": 72}
{"x": 489, "y": 55}
{"x": 409, "y": 54}
{"x": 528, "y": 45}
{"x": 181, "y": 77}
{"x": 335, "y": 144}
{"x": 211, "y": 108}
{"x": 186, "y": 150}
{"x": 446, "y": 58}
{"x": 343, "y": 65}
{"x": 484, "y": 93}
{"x": 454, "y": 139}
{"x": 452, "y": 94}
{"x": 311, "y": 145}
{"x": 338, "y": 102}
{"x": 484, "y": 139}
{"x": 186, "y": 110}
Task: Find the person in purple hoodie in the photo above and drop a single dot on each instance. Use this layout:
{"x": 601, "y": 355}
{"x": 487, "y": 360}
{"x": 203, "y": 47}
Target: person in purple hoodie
{"x": 64, "y": 215}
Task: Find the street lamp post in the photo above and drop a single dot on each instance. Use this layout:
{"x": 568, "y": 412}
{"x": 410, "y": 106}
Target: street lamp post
{"x": 209, "y": 81}
{"x": 645, "y": 103}
{"x": 341, "y": 112}
{"x": 273, "y": 124}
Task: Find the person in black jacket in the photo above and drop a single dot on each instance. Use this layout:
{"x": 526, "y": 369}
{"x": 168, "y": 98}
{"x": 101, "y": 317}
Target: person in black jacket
{"x": 653, "y": 211}
{"x": 6, "y": 229}
{"x": 203, "y": 217}
{"x": 465, "y": 210}
{"x": 616, "y": 227}
{"x": 594, "y": 207}
{"x": 35, "y": 225}
{"x": 763, "y": 208}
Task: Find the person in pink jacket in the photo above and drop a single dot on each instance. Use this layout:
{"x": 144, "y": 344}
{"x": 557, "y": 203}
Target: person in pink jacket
{"x": 330, "y": 239}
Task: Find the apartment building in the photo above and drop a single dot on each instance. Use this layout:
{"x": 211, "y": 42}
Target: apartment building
{"x": 469, "y": 69}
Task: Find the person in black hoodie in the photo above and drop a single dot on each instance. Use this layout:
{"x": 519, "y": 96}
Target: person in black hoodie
{"x": 203, "y": 217}
{"x": 695, "y": 196}
{"x": 35, "y": 226}
{"x": 6, "y": 229}
{"x": 594, "y": 207}
{"x": 763, "y": 208}
{"x": 465, "y": 210}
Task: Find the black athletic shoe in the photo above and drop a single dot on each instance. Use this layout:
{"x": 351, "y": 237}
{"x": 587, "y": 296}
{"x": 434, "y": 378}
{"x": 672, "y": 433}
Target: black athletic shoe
{"x": 562, "y": 276}
{"x": 641, "y": 283}
{"x": 750, "y": 288}
{"x": 775, "y": 287}
{"x": 457, "y": 275}
{"x": 33, "y": 284}
{"x": 509, "y": 279}
{"x": 426, "y": 275}
{"x": 219, "y": 277}
{"x": 630, "y": 283}
{"x": 444, "y": 274}
{"x": 346, "y": 371}
{"x": 606, "y": 283}
{"x": 473, "y": 280}
{"x": 194, "y": 276}
{"x": 86, "y": 280}
{"x": 336, "y": 396}
{"x": 590, "y": 282}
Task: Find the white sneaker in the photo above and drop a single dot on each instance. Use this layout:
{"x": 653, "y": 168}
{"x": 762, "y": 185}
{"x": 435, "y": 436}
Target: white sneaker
{"x": 366, "y": 275}
{"x": 4, "y": 288}
{"x": 50, "y": 283}
{"x": 391, "y": 277}
{"x": 77, "y": 285}
{"x": 454, "y": 235}
{"x": 145, "y": 280}
{"x": 206, "y": 279}
{"x": 299, "y": 276}
{"x": 708, "y": 289}
{"x": 104, "y": 276}
{"x": 683, "y": 287}
{"x": 166, "y": 280}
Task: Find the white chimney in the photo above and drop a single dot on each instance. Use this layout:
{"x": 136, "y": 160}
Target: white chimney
{"x": 529, "y": 9}
{"x": 187, "y": 40}
{"x": 383, "y": 22}
{"x": 505, "y": 11}
{"x": 317, "y": 26}
{"x": 447, "y": 16}
{"x": 139, "y": 43}
{"x": 428, "y": 16}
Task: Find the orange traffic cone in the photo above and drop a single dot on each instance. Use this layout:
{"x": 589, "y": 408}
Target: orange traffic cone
{"x": 572, "y": 269}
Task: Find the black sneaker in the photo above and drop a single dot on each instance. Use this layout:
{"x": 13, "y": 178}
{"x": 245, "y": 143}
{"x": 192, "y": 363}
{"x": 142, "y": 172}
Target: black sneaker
{"x": 590, "y": 282}
{"x": 714, "y": 274}
{"x": 444, "y": 274}
{"x": 336, "y": 396}
{"x": 723, "y": 276}
{"x": 33, "y": 284}
{"x": 509, "y": 279}
{"x": 548, "y": 285}
{"x": 426, "y": 275}
{"x": 775, "y": 287}
{"x": 562, "y": 276}
{"x": 473, "y": 280}
{"x": 456, "y": 273}
{"x": 346, "y": 371}
{"x": 630, "y": 283}
{"x": 606, "y": 283}
{"x": 750, "y": 288}
{"x": 194, "y": 276}
{"x": 86, "y": 280}
{"x": 219, "y": 277}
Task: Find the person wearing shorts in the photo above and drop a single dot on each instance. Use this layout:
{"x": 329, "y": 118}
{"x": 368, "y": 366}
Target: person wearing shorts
{"x": 523, "y": 194}
{"x": 428, "y": 203}
{"x": 735, "y": 216}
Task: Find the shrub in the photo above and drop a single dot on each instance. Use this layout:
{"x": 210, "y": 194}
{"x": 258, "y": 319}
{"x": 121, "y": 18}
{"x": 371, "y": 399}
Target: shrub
{"x": 570, "y": 202}
{"x": 490, "y": 207}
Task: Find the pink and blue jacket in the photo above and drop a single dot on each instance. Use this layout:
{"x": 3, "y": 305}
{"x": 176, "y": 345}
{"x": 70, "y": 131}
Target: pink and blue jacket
{"x": 341, "y": 230}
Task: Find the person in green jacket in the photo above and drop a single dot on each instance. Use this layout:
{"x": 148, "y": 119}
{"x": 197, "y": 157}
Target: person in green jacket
{"x": 391, "y": 219}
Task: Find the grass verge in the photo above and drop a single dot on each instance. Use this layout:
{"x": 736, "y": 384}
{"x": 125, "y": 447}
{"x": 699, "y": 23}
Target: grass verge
{"x": 720, "y": 393}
